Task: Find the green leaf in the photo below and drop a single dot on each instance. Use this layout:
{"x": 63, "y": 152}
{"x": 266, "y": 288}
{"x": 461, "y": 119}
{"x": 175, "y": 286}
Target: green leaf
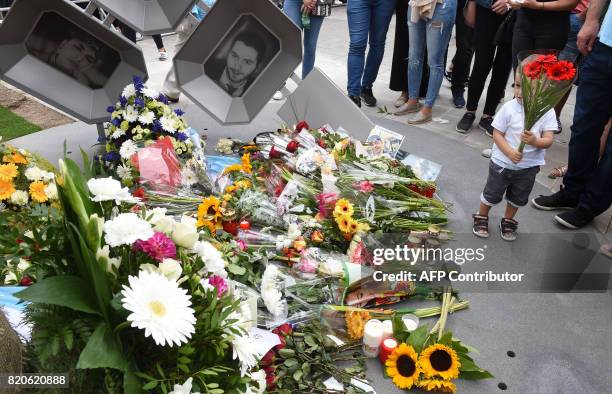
{"x": 297, "y": 375}
{"x": 475, "y": 375}
{"x": 236, "y": 269}
{"x": 102, "y": 351}
{"x": 418, "y": 337}
{"x": 131, "y": 383}
{"x": 69, "y": 339}
{"x": 68, "y": 291}
{"x": 291, "y": 362}
{"x": 151, "y": 385}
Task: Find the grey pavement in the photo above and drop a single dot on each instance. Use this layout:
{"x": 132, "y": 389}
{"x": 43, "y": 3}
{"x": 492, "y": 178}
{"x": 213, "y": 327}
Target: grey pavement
{"x": 562, "y": 341}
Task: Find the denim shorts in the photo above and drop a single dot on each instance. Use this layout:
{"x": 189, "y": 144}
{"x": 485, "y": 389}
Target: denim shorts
{"x": 515, "y": 184}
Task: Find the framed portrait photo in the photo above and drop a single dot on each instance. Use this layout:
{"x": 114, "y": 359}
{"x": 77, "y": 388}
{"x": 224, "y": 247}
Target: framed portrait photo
{"x": 237, "y": 58}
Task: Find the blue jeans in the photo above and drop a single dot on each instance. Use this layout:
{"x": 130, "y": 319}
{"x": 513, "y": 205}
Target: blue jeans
{"x": 435, "y": 33}
{"x": 589, "y": 181}
{"x": 367, "y": 20}
{"x": 292, "y": 9}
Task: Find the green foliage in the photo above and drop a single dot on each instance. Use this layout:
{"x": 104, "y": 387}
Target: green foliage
{"x": 14, "y": 126}
{"x": 68, "y": 291}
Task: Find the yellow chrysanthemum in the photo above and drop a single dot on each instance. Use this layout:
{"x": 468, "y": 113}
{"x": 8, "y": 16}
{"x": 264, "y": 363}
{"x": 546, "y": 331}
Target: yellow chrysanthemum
{"x": 344, "y": 223}
{"x": 6, "y": 189}
{"x": 232, "y": 168}
{"x": 243, "y": 184}
{"x": 209, "y": 209}
{"x": 8, "y": 172}
{"x": 16, "y": 158}
{"x": 402, "y": 366}
{"x": 443, "y": 386}
{"x": 439, "y": 360}
{"x": 37, "y": 191}
{"x": 231, "y": 188}
{"x": 343, "y": 207}
{"x": 246, "y": 163}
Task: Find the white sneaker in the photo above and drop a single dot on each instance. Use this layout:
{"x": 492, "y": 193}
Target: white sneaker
{"x": 278, "y": 95}
{"x": 163, "y": 55}
{"x": 486, "y": 153}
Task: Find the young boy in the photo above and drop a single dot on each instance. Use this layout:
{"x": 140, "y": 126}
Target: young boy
{"x": 511, "y": 172}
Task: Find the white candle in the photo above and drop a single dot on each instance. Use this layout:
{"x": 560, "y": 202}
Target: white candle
{"x": 387, "y": 329}
{"x": 372, "y": 337}
{"x": 411, "y": 322}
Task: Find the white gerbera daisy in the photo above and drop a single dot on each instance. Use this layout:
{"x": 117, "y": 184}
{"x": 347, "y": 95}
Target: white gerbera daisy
{"x": 129, "y": 91}
{"x": 118, "y": 133}
{"x": 168, "y": 124}
{"x": 124, "y": 172}
{"x": 160, "y": 307}
{"x": 126, "y": 229}
{"x": 189, "y": 177}
{"x": 146, "y": 117}
{"x": 130, "y": 114}
{"x": 128, "y": 149}
{"x": 150, "y": 93}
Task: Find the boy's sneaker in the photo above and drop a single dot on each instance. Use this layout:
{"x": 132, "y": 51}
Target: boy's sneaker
{"x": 480, "y": 228}
{"x": 163, "y": 55}
{"x": 485, "y": 125}
{"x": 466, "y": 122}
{"x": 368, "y": 97}
{"x": 559, "y": 126}
{"x": 458, "y": 99}
{"x": 558, "y": 200}
{"x": 487, "y": 153}
{"x": 356, "y": 100}
{"x": 507, "y": 229}
{"x": 574, "y": 219}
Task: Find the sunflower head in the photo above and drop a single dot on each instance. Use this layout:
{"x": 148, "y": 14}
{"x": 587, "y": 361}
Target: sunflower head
{"x": 440, "y": 385}
{"x": 8, "y": 172}
{"x": 355, "y": 323}
{"x": 343, "y": 207}
{"x": 209, "y": 210}
{"x": 6, "y": 189}
{"x": 439, "y": 361}
{"x": 402, "y": 366}
{"x": 232, "y": 168}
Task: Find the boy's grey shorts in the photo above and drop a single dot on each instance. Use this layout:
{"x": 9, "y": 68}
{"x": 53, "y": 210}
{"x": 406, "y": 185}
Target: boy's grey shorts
{"x": 515, "y": 184}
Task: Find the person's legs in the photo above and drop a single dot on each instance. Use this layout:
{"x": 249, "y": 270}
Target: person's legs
{"x": 399, "y": 65}
{"x": 379, "y": 25}
{"x": 159, "y": 42}
{"x": 128, "y": 32}
{"x": 311, "y": 36}
{"x": 464, "y": 39}
{"x": 416, "y": 57}
{"x": 502, "y": 66}
{"x": 358, "y": 13}
{"x": 521, "y": 40}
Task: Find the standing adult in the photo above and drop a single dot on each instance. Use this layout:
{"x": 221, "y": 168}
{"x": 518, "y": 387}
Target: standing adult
{"x": 464, "y": 42}
{"x": 368, "y": 22}
{"x": 294, "y": 10}
{"x": 430, "y": 23}
{"x": 493, "y": 54}
{"x": 587, "y": 186}
{"x": 399, "y": 66}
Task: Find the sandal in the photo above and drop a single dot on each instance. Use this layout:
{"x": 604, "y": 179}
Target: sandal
{"x": 508, "y": 228}
{"x": 558, "y": 172}
{"x": 481, "y": 226}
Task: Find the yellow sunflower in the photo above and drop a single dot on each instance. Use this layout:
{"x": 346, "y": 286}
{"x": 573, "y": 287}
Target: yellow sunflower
{"x": 209, "y": 209}
{"x": 16, "y": 158}
{"x": 444, "y": 386}
{"x": 6, "y": 189}
{"x": 343, "y": 207}
{"x": 232, "y": 168}
{"x": 231, "y": 189}
{"x": 402, "y": 366}
{"x": 8, "y": 172}
{"x": 439, "y": 360}
{"x": 243, "y": 184}
{"x": 355, "y": 323}
{"x": 344, "y": 223}
{"x": 37, "y": 191}
{"x": 246, "y": 163}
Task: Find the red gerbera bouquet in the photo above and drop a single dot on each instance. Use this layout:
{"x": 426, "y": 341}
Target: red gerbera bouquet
{"x": 544, "y": 81}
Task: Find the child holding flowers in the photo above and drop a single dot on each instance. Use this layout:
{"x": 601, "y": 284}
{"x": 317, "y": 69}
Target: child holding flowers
{"x": 512, "y": 170}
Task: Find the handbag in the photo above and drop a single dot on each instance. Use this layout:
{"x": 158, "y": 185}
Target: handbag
{"x": 322, "y": 8}
{"x": 503, "y": 35}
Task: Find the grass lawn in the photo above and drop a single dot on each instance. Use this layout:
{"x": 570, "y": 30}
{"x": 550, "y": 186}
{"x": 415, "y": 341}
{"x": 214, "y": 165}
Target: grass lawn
{"x": 13, "y": 126}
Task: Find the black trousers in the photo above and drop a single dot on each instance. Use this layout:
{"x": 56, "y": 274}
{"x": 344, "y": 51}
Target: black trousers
{"x": 545, "y": 34}
{"x": 399, "y": 67}
{"x": 130, "y": 34}
{"x": 464, "y": 40}
{"x": 489, "y": 57}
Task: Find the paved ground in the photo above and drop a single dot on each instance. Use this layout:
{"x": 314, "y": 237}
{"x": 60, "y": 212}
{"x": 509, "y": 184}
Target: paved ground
{"x": 561, "y": 340}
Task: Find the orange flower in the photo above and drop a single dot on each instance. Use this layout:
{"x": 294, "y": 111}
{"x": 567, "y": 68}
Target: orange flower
{"x": 15, "y": 158}
{"x": 37, "y": 191}
{"x": 246, "y": 163}
{"x": 8, "y": 172}
{"x": 6, "y": 189}
{"x": 317, "y": 236}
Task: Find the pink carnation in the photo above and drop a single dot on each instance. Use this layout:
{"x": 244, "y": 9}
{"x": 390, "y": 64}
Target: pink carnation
{"x": 364, "y": 186}
{"x": 241, "y": 245}
{"x": 219, "y": 283}
{"x": 326, "y": 202}
{"x": 158, "y": 247}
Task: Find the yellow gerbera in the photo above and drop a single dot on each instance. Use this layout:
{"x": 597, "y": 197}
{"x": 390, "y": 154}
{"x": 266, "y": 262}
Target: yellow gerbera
{"x": 402, "y": 366}
{"x": 6, "y": 189}
{"x": 344, "y": 223}
{"x": 343, "y": 207}
{"x": 246, "y": 163}
{"x": 439, "y": 360}
{"x": 16, "y": 158}
{"x": 8, "y": 172}
{"x": 444, "y": 386}
{"x": 37, "y": 191}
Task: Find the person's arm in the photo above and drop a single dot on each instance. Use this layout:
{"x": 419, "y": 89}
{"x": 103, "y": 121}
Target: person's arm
{"x": 588, "y": 33}
{"x": 543, "y": 142}
{"x": 502, "y": 144}
{"x": 500, "y": 7}
{"x": 558, "y": 5}
{"x": 469, "y": 14}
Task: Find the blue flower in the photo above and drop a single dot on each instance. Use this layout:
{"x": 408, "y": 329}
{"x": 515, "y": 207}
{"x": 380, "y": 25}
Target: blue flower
{"x": 123, "y": 101}
{"x": 157, "y": 127}
{"x": 138, "y": 83}
{"x": 101, "y": 139}
{"x": 110, "y": 109}
{"x": 116, "y": 122}
{"x": 112, "y": 157}
{"x": 181, "y": 137}
{"x": 139, "y": 102}
{"x": 179, "y": 112}
{"x": 162, "y": 98}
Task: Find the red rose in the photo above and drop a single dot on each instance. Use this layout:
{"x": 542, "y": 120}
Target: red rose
{"x": 282, "y": 343}
{"x": 270, "y": 381}
{"x": 25, "y": 281}
{"x": 274, "y": 154}
{"x": 321, "y": 143}
{"x": 292, "y": 146}
{"x": 283, "y": 329}
{"x": 268, "y": 359}
{"x": 532, "y": 70}
{"x": 231, "y": 227}
{"x": 140, "y": 193}
{"x": 301, "y": 126}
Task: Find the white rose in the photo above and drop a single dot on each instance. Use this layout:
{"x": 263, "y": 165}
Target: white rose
{"x": 213, "y": 260}
{"x": 51, "y": 191}
{"x": 34, "y": 174}
{"x": 10, "y": 278}
{"x": 107, "y": 189}
{"x": 185, "y": 233}
{"x": 19, "y": 197}
{"x": 171, "y": 269}
{"x": 161, "y": 222}
{"x": 23, "y": 265}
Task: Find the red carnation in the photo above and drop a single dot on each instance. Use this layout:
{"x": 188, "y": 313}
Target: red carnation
{"x": 533, "y": 70}
{"x": 292, "y": 146}
{"x": 26, "y": 281}
{"x": 301, "y": 126}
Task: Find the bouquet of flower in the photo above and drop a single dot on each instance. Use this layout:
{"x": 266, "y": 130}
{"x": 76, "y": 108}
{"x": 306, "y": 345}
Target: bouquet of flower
{"x": 544, "y": 81}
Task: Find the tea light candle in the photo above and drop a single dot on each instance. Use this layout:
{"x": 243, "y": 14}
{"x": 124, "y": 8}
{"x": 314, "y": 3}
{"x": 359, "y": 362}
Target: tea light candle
{"x": 410, "y": 321}
{"x": 387, "y": 329}
{"x": 386, "y": 349}
{"x": 372, "y": 337}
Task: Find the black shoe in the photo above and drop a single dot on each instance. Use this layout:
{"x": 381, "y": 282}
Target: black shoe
{"x": 172, "y": 100}
{"x": 458, "y": 99}
{"x": 448, "y": 75}
{"x": 465, "y": 124}
{"x": 368, "y": 97}
{"x": 559, "y": 126}
{"x": 485, "y": 125}
{"x": 574, "y": 219}
{"x": 559, "y": 200}
{"x": 356, "y": 100}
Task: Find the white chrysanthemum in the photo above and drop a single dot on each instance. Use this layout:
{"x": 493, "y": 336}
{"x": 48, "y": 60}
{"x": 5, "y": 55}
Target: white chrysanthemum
{"x": 118, "y": 133}
{"x": 51, "y": 191}
{"x": 246, "y": 353}
{"x": 108, "y": 189}
{"x": 184, "y": 388}
{"x": 19, "y": 197}
{"x": 126, "y": 229}
{"x": 47, "y": 176}
{"x": 146, "y": 117}
{"x": 189, "y": 177}
{"x": 259, "y": 378}
{"x": 128, "y": 149}
{"x": 34, "y": 174}
{"x": 130, "y": 114}
{"x": 213, "y": 260}
{"x": 160, "y": 307}
{"x": 129, "y": 91}
{"x": 124, "y": 172}
{"x": 168, "y": 124}
{"x": 150, "y": 93}
{"x": 271, "y": 295}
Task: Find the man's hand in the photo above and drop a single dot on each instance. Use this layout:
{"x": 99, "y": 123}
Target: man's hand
{"x": 500, "y": 7}
{"x": 587, "y": 36}
{"x": 529, "y": 138}
{"x": 309, "y": 5}
{"x": 515, "y": 156}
